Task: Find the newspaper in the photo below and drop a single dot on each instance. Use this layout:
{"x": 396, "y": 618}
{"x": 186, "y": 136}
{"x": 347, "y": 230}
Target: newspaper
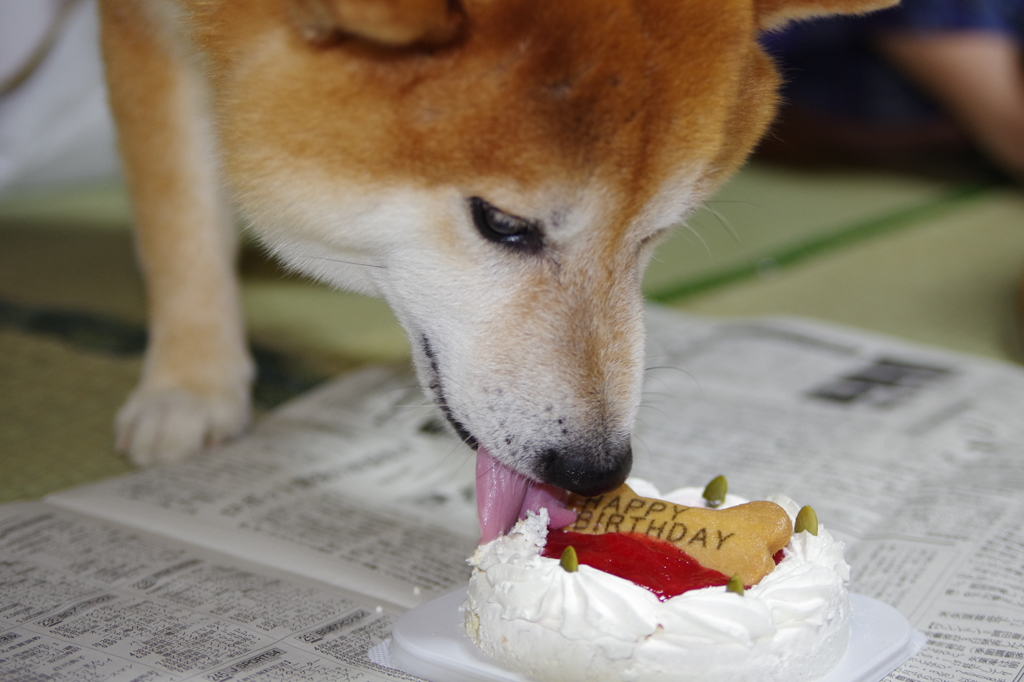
{"x": 289, "y": 554}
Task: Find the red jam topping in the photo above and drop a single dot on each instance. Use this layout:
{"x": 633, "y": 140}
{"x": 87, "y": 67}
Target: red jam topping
{"x": 659, "y": 566}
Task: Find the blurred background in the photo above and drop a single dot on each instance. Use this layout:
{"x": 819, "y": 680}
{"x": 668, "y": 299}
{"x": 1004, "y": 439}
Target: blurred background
{"x": 887, "y": 197}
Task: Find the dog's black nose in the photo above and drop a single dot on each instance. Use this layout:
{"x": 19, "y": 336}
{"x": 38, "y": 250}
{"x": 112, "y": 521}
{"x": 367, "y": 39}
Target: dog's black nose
{"x": 588, "y": 471}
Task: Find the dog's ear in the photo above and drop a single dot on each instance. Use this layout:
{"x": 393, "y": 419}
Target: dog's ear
{"x": 773, "y": 14}
{"x": 392, "y": 23}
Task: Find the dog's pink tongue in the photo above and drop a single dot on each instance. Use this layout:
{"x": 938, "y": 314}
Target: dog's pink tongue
{"x": 504, "y": 496}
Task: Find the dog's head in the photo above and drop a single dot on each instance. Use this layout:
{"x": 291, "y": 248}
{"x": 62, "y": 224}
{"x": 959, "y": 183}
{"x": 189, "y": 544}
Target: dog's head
{"x": 499, "y": 171}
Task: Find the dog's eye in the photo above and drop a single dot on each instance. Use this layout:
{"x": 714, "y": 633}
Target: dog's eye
{"x": 503, "y": 228}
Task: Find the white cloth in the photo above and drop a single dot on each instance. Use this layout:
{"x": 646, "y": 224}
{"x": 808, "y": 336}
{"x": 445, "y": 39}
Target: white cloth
{"x": 55, "y": 128}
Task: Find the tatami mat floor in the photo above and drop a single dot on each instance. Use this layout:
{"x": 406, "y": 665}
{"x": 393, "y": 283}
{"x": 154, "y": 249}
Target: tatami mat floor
{"x": 930, "y": 261}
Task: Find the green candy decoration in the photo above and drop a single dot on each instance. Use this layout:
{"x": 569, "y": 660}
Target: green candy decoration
{"x": 735, "y": 585}
{"x": 716, "y": 491}
{"x": 806, "y": 520}
{"x": 569, "y": 561}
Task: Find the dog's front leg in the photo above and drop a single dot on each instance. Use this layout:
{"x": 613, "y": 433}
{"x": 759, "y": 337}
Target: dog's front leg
{"x": 195, "y": 382}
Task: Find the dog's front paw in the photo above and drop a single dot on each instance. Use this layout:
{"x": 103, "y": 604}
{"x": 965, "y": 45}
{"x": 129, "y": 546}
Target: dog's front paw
{"x": 157, "y": 426}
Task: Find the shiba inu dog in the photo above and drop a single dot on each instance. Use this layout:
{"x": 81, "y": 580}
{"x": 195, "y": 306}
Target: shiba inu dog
{"x": 498, "y": 170}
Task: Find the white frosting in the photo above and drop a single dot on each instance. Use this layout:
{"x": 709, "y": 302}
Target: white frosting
{"x": 532, "y": 616}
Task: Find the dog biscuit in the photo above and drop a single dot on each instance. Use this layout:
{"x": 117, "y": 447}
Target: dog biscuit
{"x": 740, "y": 540}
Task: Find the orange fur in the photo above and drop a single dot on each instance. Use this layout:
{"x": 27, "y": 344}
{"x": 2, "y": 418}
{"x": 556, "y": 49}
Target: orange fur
{"x": 333, "y": 119}
{"x": 773, "y": 14}
{"x": 524, "y": 91}
{"x": 184, "y": 235}
{"x": 388, "y": 22}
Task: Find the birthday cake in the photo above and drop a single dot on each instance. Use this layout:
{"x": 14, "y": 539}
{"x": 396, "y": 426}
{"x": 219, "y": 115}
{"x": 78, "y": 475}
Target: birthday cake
{"x": 775, "y": 609}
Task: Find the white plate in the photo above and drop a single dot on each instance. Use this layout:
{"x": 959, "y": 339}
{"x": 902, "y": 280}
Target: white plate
{"x": 429, "y": 642}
